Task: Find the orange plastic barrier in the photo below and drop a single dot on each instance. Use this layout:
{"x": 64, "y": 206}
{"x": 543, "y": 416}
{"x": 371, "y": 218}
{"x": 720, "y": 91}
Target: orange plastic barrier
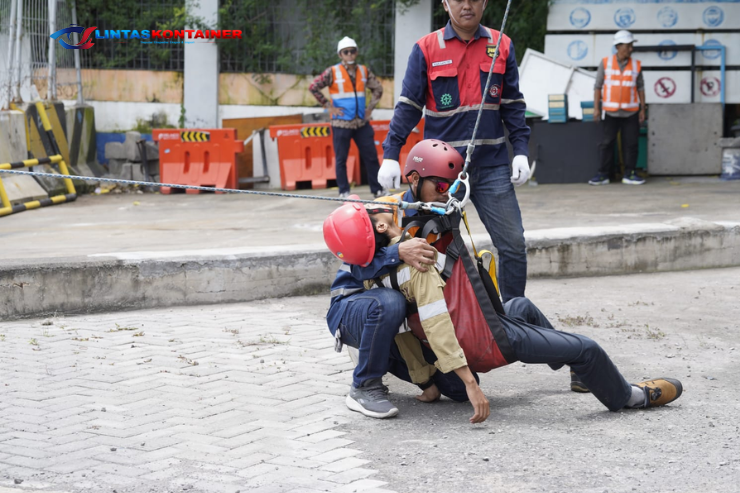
{"x": 201, "y": 157}
{"x": 381, "y": 128}
{"x": 306, "y": 152}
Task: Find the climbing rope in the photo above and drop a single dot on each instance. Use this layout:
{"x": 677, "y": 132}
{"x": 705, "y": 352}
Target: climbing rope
{"x": 462, "y": 178}
{"x": 425, "y": 206}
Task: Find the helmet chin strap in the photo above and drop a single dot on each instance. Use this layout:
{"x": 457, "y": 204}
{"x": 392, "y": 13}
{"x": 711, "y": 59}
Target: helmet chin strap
{"x": 449, "y": 10}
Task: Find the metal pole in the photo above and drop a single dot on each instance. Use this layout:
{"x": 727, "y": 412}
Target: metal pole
{"x": 18, "y": 30}
{"x": 51, "y": 90}
{"x": 11, "y": 42}
{"x": 80, "y": 101}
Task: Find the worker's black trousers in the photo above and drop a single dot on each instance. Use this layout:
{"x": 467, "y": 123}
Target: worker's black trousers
{"x": 534, "y": 340}
{"x": 630, "y": 127}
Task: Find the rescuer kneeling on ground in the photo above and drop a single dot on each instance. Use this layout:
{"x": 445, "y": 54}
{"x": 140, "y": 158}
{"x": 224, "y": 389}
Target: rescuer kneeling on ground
{"x": 530, "y": 338}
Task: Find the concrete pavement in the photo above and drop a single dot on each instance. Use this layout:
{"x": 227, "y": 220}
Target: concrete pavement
{"x": 249, "y": 397}
{"x": 132, "y": 251}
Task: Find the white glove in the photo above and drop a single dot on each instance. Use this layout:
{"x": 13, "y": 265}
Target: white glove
{"x": 520, "y": 170}
{"x": 389, "y": 175}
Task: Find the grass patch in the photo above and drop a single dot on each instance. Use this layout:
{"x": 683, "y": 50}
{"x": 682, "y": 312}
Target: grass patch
{"x": 121, "y": 329}
{"x": 656, "y": 333}
{"x": 577, "y": 321}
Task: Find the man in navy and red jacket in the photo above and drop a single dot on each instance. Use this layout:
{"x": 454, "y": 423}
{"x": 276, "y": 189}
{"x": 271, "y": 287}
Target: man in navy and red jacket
{"x": 444, "y": 81}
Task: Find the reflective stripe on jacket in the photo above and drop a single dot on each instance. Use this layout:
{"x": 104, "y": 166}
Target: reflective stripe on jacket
{"x": 346, "y": 95}
{"x": 445, "y": 79}
{"x": 620, "y": 88}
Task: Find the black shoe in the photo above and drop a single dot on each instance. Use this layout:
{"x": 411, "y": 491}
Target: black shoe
{"x": 370, "y": 400}
{"x": 576, "y": 385}
{"x": 599, "y": 179}
{"x": 632, "y": 179}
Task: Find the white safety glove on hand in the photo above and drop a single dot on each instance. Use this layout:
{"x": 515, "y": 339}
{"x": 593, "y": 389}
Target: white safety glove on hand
{"x": 389, "y": 175}
{"x": 520, "y": 170}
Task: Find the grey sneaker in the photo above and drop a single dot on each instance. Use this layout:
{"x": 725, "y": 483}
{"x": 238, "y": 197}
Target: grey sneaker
{"x": 382, "y": 193}
{"x": 370, "y": 400}
{"x": 344, "y": 195}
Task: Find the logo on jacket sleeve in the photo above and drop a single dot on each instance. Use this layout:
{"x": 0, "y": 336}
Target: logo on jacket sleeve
{"x": 445, "y": 100}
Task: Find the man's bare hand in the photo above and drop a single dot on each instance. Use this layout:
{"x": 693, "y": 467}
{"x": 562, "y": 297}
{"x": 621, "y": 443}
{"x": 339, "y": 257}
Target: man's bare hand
{"x": 334, "y": 111}
{"x": 429, "y": 395}
{"x": 597, "y": 114}
{"x": 480, "y": 403}
{"x": 417, "y": 253}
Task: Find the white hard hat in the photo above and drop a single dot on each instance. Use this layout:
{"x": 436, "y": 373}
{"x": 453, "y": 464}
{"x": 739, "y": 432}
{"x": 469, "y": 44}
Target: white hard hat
{"x": 346, "y": 42}
{"x": 623, "y": 37}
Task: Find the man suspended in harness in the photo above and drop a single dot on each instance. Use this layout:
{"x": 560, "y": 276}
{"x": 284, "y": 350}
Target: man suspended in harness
{"x": 522, "y": 332}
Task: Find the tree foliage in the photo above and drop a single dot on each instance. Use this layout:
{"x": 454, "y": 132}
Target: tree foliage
{"x": 283, "y": 36}
{"x": 139, "y": 15}
{"x": 526, "y": 24}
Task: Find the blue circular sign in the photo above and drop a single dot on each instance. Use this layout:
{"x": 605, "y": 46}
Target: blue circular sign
{"x": 580, "y": 17}
{"x": 667, "y": 54}
{"x": 667, "y": 17}
{"x": 711, "y": 54}
{"x": 577, "y": 50}
{"x": 713, "y": 16}
{"x": 624, "y": 17}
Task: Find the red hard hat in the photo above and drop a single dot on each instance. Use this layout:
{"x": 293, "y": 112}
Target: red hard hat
{"x": 349, "y": 234}
{"x": 433, "y": 157}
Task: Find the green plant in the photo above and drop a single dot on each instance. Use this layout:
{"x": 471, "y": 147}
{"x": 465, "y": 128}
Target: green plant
{"x": 654, "y": 333}
{"x": 526, "y": 24}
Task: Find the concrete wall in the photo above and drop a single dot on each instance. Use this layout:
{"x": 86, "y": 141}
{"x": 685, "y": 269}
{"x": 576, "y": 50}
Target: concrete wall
{"x": 13, "y": 148}
{"x": 280, "y": 90}
{"x": 113, "y": 116}
{"x": 411, "y": 25}
{"x": 68, "y": 286}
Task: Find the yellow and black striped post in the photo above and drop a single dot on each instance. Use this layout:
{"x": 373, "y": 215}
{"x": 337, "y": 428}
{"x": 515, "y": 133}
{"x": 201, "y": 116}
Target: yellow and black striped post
{"x": 7, "y": 208}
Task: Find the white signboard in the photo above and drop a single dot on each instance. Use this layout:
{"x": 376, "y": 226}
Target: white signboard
{"x": 675, "y": 86}
{"x": 587, "y": 50}
{"x": 612, "y": 15}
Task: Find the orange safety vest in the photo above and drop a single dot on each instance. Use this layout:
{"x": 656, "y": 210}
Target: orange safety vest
{"x": 620, "y": 88}
{"x": 346, "y": 96}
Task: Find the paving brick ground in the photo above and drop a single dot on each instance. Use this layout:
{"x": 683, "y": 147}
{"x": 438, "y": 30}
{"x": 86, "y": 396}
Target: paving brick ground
{"x": 249, "y": 397}
{"x": 228, "y": 398}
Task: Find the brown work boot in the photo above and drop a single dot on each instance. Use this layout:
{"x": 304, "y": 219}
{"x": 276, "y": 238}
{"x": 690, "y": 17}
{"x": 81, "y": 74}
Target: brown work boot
{"x": 661, "y": 391}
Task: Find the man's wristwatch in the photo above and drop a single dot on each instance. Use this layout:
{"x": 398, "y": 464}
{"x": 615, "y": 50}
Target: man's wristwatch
{"x": 425, "y": 385}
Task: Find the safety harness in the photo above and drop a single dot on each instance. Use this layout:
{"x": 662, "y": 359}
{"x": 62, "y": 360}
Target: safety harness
{"x": 470, "y": 292}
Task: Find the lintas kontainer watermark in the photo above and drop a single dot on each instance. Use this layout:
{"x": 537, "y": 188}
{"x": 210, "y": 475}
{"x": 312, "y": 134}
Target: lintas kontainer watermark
{"x": 87, "y": 34}
{"x": 168, "y": 34}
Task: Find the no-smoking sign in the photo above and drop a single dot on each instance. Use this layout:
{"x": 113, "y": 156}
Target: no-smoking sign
{"x": 665, "y": 87}
{"x": 710, "y": 86}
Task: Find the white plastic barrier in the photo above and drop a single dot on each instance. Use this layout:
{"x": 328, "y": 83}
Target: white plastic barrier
{"x": 540, "y": 76}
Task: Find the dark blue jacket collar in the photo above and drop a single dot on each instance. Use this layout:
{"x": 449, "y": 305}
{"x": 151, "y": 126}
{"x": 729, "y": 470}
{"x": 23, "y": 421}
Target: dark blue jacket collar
{"x": 450, "y": 32}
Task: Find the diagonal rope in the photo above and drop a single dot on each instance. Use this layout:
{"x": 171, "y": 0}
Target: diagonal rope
{"x": 471, "y": 145}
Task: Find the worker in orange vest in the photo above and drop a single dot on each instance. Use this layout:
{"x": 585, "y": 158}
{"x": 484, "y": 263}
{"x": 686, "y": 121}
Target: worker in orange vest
{"x": 347, "y": 82}
{"x": 620, "y": 91}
